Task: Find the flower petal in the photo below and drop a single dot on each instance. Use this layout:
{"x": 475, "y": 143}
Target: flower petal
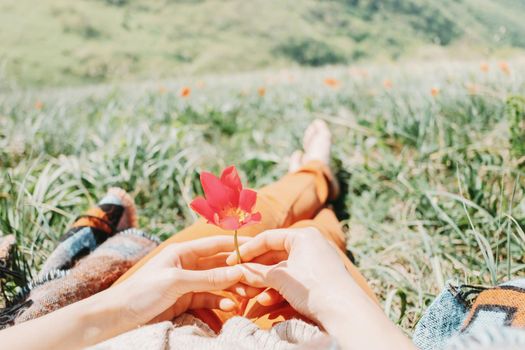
{"x": 230, "y": 223}
{"x": 252, "y": 219}
{"x": 217, "y": 195}
{"x": 256, "y": 217}
{"x": 247, "y": 200}
{"x": 230, "y": 178}
{"x": 201, "y": 206}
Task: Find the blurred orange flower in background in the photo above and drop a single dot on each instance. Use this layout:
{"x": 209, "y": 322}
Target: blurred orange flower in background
{"x": 484, "y": 67}
{"x": 434, "y": 91}
{"x": 162, "y": 90}
{"x": 473, "y": 89}
{"x": 261, "y": 91}
{"x": 504, "y": 66}
{"x": 332, "y": 82}
{"x": 387, "y": 83}
{"x": 185, "y": 91}
{"x": 39, "y": 105}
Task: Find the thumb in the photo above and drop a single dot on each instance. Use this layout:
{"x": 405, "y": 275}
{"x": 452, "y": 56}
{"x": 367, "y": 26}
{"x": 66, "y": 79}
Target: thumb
{"x": 208, "y": 280}
{"x": 257, "y": 275}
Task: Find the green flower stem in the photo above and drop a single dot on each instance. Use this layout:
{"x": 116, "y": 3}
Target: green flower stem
{"x": 236, "y": 243}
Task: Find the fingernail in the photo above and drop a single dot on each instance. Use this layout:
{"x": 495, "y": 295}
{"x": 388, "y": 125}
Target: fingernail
{"x": 230, "y": 260}
{"x": 227, "y": 304}
{"x": 262, "y": 298}
{"x": 234, "y": 273}
{"x": 241, "y": 291}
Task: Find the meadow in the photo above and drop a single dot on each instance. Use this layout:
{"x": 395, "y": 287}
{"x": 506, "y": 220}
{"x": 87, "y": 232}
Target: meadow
{"x": 429, "y": 155}
{"x": 62, "y": 42}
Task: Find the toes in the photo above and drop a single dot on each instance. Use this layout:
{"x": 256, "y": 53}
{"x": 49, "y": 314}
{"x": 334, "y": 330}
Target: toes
{"x": 317, "y": 142}
{"x": 296, "y": 160}
{"x": 317, "y": 128}
{"x": 308, "y": 135}
{"x": 321, "y": 126}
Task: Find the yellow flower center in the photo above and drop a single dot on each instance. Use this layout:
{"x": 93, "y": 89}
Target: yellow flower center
{"x": 236, "y": 212}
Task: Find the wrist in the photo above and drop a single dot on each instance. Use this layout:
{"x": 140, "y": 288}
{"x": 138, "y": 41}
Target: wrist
{"x": 329, "y": 299}
{"x": 103, "y": 317}
{"x": 349, "y": 315}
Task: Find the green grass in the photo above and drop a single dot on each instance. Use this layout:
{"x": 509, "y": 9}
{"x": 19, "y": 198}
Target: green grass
{"x": 435, "y": 185}
{"x": 62, "y": 42}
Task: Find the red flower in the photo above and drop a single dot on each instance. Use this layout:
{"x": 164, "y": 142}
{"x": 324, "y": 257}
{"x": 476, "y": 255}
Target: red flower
{"x": 227, "y": 204}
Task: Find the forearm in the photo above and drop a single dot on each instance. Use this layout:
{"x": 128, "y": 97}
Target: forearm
{"x": 357, "y": 322}
{"x": 76, "y": 326}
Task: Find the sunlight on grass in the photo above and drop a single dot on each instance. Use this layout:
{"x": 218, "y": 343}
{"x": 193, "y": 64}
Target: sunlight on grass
{"x": 435, "y": 185}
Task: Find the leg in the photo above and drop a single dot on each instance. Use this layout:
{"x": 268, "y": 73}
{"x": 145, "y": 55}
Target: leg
{"x": 296, "y": 196}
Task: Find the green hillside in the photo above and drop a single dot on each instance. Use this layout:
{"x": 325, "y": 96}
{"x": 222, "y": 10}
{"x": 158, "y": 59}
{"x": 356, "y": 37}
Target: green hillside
{"x": 56, "y": 42}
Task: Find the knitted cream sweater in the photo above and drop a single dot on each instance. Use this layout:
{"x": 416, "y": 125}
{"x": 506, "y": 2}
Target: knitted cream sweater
{"x": 188, "y": 332}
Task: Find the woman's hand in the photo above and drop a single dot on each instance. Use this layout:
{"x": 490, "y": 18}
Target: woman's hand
{"x": 178, "y": 278}
{"x": 308, "y": 272}
{"x": 181, "y": 277}
{"x": 300, "y": 264}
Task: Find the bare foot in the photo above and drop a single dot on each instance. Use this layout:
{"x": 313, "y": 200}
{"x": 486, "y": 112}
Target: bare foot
{"x": 296, "y": 160}
{"x": 316, "y": 144}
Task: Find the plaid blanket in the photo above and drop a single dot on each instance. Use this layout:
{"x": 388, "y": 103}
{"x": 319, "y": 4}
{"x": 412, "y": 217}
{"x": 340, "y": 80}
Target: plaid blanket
{"x": 101, "y": 245}
{"x": 473, "y": 317}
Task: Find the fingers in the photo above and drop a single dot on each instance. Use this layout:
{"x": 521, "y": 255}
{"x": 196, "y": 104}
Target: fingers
{"x": 245, "y": 291}
{"x": 271, "y": 258}
{"x": 190, "y": 301}
{"x": 261, "y": 244}
{"x": 209, "y": 246}
{"x": 207, "y": 280}
{"x": 210, "y": 262}
{"x": 219, "y": 260}
{"x": 269, "y": 297}
{"x": 256, "y": 275}
{"x": 211, "y": 301}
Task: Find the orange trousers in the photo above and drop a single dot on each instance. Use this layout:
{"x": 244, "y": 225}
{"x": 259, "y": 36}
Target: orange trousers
{"x": 296, "y": 200}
